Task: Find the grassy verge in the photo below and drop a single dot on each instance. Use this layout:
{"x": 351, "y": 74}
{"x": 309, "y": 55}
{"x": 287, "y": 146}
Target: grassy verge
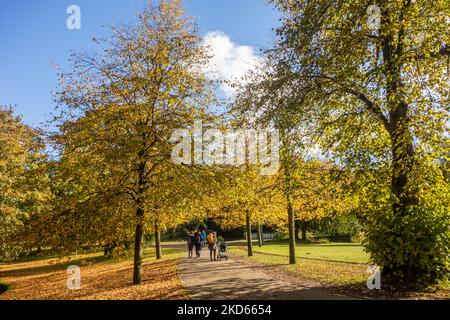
{"x": 101, "y": 279}
{"x": 321, "y": 271}
{"x": 340, "y": 252}
{"x": 347, "y": 276}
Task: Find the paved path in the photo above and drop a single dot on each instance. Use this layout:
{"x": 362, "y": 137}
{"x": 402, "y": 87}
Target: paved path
{"x": 229, "y": 280}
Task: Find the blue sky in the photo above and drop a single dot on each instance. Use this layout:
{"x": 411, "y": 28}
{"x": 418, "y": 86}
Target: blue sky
{"x": 33, "y": 35}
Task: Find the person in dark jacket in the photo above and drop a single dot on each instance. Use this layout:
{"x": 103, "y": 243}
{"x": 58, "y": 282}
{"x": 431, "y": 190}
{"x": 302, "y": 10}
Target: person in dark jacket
{"x": 198, "y": 244}
{"x": 191, "y": 243}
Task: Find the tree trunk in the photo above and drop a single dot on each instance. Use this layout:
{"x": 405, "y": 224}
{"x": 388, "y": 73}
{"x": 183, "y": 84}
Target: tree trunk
{"x": 249, "y": 234}
{"x": 158, "y": 241}
{"x": 402, "y": 188}
{"x": 402, "y": 162}
{"x": 291, "y": 227}
{"x": 405, "y": 192}
{"x": 297, "y": 231}
{"x": 399, "y": 130}
{"x": 139, "y": 233}
{"x": 304, "y": 229}
{"x": 288, "y": 164}
{"x": 260, "y": 236}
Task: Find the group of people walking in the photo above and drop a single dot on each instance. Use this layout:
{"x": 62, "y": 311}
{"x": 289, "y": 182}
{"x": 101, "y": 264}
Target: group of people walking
{"x": 201, "y": 239}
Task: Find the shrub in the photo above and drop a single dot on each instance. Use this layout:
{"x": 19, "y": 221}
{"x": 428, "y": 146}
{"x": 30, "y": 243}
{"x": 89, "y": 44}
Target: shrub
{"x": 413, "y": 248}
{"x": 280, "y": 236}
{"x": 340, "y": 228}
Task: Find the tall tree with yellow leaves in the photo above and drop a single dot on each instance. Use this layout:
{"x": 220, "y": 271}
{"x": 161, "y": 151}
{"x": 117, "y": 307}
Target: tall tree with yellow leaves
{"x": 246, "y": 199}
{"x": 124, "y": 104}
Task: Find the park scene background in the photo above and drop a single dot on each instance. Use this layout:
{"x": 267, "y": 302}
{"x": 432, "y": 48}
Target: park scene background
{"x": 101, "y": 166}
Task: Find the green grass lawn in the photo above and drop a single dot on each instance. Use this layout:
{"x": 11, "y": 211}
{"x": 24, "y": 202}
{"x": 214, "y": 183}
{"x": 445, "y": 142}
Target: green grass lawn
{"x": 334, "y": 262}
{"x": 324, "y": 271}
{"x": 333, "y": 251}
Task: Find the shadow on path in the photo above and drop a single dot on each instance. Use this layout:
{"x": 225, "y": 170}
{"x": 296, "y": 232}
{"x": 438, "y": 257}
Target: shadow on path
{"x": 229, "y": 280}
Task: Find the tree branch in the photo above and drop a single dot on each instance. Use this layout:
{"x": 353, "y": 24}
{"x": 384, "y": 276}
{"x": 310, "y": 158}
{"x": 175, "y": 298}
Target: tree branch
{"x": 372, "y": 107}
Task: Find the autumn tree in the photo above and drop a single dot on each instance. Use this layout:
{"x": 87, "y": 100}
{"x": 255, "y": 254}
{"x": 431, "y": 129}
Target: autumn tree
{"x": 375, "y": 90}
{"x": 178, "y": 198}
{"x": 317, "y": 194}
{"x": 246, "y": 199}
{"x": 122, "y": 106}
{"x": 254, "y": 105}
{"x": 24, "y": 185}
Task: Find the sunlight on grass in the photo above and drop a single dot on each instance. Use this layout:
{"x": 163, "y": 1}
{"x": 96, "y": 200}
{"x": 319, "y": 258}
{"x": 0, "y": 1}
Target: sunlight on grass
{"x": 348, "y": 252}
{"x": 322, "y": 271}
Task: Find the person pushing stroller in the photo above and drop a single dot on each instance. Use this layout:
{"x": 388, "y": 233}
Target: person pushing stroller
{"x": 223, "y": 251}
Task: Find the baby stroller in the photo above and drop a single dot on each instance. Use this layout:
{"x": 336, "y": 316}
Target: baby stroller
{"x": 223, "y": 252}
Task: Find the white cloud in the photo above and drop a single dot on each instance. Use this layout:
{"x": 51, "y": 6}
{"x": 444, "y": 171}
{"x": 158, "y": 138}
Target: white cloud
{"x": 230, "y": 61}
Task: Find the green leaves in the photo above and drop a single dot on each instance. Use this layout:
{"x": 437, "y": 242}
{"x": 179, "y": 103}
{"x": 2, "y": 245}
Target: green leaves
{"x": 415, "y": 245}
{"x": 376, "y": 103}
{"x": 24, "y": 184}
